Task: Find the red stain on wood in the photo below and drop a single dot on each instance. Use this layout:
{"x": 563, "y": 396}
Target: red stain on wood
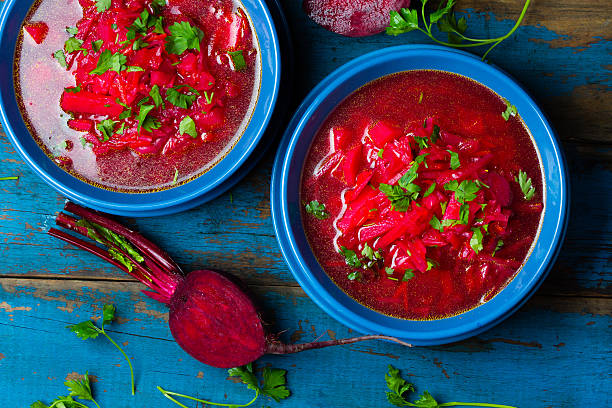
{"x": 438, "y": 364}
{"x": 558, "y": 346}
{"x": 200, "y": 374}
{"x": 8, "y": 308}
{"x": 1, "y": 356}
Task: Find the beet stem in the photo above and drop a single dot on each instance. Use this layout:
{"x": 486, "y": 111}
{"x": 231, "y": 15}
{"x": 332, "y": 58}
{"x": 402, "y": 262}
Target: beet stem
{"x": 276, "y": 347}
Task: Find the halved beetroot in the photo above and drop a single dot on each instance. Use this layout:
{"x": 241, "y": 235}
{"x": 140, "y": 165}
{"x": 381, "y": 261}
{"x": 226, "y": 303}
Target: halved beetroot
{"x": 352, "y": 18}
{"x": 37, "y": 30}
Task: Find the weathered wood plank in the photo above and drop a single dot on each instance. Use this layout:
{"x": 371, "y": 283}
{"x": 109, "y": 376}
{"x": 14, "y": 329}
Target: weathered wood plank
{"x": 544, "y": 339}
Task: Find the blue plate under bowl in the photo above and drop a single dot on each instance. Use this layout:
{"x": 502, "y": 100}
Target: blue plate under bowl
{"x": 286, "y": 204}
{"x": 167, "y": 201}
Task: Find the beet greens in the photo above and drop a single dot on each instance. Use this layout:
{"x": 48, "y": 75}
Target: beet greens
{"x": 210, "y": 317}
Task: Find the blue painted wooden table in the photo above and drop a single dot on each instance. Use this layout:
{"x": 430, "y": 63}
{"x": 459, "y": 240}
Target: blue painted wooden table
{"x": 555, "y": 352}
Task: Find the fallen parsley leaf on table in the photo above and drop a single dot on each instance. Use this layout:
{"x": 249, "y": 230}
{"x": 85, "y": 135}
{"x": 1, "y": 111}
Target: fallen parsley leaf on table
{"x": 273, "y": 386}
{"x": 78, "y": 388}
{"x": 88, "y": 330}
{"x": 400, "y": 387}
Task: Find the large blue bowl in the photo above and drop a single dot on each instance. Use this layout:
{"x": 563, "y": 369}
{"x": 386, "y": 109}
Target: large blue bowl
{"x": 286, "y": 179}
{"x": 179, "y": 198}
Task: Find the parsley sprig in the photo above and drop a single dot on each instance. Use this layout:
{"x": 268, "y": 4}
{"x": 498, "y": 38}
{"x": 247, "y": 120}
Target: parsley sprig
{"x": 407, "y": 20}
{"x": 273, "y": 386}
{"x": 317, "y": 210}
{"x": 400, "y": 388}
{"x": 526, "y": 187}
{"x": 78, "y": 389}
{"x": 88, "y": 330}
{"x": 405, "y": 191}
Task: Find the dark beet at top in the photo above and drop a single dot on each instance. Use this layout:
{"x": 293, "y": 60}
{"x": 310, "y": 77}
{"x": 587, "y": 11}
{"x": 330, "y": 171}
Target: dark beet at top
{"x": 424, "y": 216}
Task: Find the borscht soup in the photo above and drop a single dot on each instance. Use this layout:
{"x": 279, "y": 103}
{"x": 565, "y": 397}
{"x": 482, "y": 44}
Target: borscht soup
{"x": 422, "y": 194}
{"x": 137, "y": 95}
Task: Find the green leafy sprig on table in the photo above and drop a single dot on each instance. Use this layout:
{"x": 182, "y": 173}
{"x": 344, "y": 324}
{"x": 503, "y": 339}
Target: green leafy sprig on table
{"x": 87, "y": 330}
{"x": 273, "y": 386}
{"x": 78, "y": 389}
{"x": 406, "y": 20}
{"x": 400, "y": 388}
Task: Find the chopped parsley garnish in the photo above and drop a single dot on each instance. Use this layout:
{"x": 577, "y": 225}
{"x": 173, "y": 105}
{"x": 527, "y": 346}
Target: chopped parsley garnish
{"x": 500, "y": 244}
{"x": 188, "y": 126}
{"x": 145, "y": 121}
{"x": 72, "y": 30}
{"x": 409, "y": 274}
{"x": 176, "y": 174}
{"x": 107, "y": 128}
{"x": 454, "y": 159}
{"x": 180, "y": 99}
{"x": 389, "y": 271}
{"x": 350, "y": 257}
{"x": 103, "y": 5}
{"x": 466, "y": 191}
{"x": 525, "y": 183}
{"x": 156, "y": 96}
{"x": 109, "y": 61}
{"x": 183, "y": 36}
{"x": 435, "y": 134}
{"x": 73, "y": 89}
{"x": 237, "y": 60}
{"x": 355, "y": 275}
{"x": 96, "y": 45}
{"x": 61, "y": 58}
{"x": 431, "y": 264}
{"x": 510, "y": 110}
{"x": 476, "y": 240}
{"x": 436, "y": 224}
{"x": 380, "y": 152}
{"x": 399, "y": 197}
{"x": 317, "y": 210}
{"x": 208, "y": 97}
{"x": 73, "y": 44}
{"x": 429, "y": 190}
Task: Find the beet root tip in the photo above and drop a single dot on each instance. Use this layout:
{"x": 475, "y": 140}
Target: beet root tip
{"x": 276, "y": 347}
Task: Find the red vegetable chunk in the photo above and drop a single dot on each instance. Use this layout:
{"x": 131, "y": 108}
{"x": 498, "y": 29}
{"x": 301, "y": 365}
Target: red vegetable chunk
{"x": 38, "y": 31}
{"x": 353, "y": 18}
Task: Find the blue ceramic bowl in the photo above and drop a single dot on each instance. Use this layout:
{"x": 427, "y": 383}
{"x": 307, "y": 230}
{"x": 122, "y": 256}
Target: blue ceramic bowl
{"x": 175, "y": 199}
{"x": 286, "y": 204}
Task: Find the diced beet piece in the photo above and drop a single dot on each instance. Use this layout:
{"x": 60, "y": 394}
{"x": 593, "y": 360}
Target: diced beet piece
{"x": 499, "y": 188}
{"x": 351, "y": 165}
{"x": 362, "y": 180}
{"x": 38, "y": 31}
{"x": 382, "y": 132}
{"x": 162, "y": 78}
{"x": 353, "y": 18}
{"x": 89, "y": 103}
{"x": 81, "y": 125}
{"x": 340, "y": 137}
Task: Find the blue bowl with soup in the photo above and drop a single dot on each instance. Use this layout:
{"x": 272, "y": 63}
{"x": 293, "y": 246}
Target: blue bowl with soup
{"x": 148, "y": 108}
{"x": 419, "y": 193}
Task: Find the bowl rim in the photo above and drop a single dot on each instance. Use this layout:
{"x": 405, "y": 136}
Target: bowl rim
{"x": 337, "y": 303}
{"x": 205, "y": 184}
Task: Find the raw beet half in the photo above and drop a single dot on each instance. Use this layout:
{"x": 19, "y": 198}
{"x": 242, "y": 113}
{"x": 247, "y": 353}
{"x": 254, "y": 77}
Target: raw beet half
{"x": 211, "y": 317}
{"x": 353, "y": 18}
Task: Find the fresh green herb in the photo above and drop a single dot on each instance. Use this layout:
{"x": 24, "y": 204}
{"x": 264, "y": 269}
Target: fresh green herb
{"x": 500, "y": 244}
{"x": 526, "y": 186}
{"x": 156, "y": 96}
{"x": 409, "y": 274}
{"x": 389, "y": 271}
{"x": 317, "y": 209}
{"x": 421, "y": 97}
{"x": 61, "y": 58}
{"x": 208, "y": 98}
{"x": 114, "y": 26}
{"x": 406, "y": 20}
{"x": 464, "y": 214}
{"x": 159, "y": 28}
{"x": 355, "y": 275}
{"x": 273, "y": 385}
{"x": 183, "y": 36}
{"x": 180, "y": 99}
{"x": 73, "y": 44}
{"x": 87, "y": 330}
{"x": 435, "y": 134}
{"x": 176, "y": 174}
{"x": 399, "y": 197}
{"x": 146, "y": 121}
{"x": 103, "y": 5}
{"x": 422, "y": 141}
{"x": 350, "y": 257}
{"x": 133, "y": 69}
{"x": 96, "y": 45}
{"x": 121, "y": 129}
{"x": 73, "y": 90}
{"x": 78, "y": 389}
{"x": 84, "y": 142}
{"x": 9, "y": 178}
{"x": 466, "y": 191}
{"x": 510, "y": 110}
{"x": 436, "y": 224}
{"x": 454, "y": 159}
{"x": 72, "y": 30}
{"x": 431, "y": 264}
{"x": 430, "y": 189}
{"x": 107, "y": 128}
{"x": 109, "y": 61}
{"x": 188, "y": 126}
{"x": 476, "y": 240}
{"x": 380, "y": 152}
{"x": 399, "y": 388}
{"x": 237, "y": 60}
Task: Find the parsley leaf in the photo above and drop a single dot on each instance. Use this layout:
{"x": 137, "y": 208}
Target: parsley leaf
{"x": 400, "y": 198}
{"x": 80, "y": 388}
{"x": 403, "y": 21}
{"x": 183, "y": 36}
{"x": 409, "y": 274}
{"x": 500, "y": 244}
{"x": 476, "y": 240}
{"x": 107, "y": 128}
{"x": 108, "y": 314}
{"x": 103, "y": 5}
{"x": 274, "y": 384}
{"x": 72, "y": 30}
{"x": 85, "y": 330}
{"x": 96, "y": 45}
{"x": 246, "y": 375}
{"x": 142, "y": 115}
{"x": 510, "y": 110}
{"x": 317, "y": 209}
{"x": 109, "y": 61}
{"x": 180, "y": 99}
{"x": 73, "y": 90}
{"x": 73, "y": 44}
{"x": 436, "y": 224}
{"x": 466, "y": 191}
{"x": 398, "y": 387}
{"x": 238, "y": 61}
{"x": 188, "y": 126}
{"x": 526, "y": 186}
{"x": 454, "y": 159}
{"x": 156, "y": 96}
{"x": 61, "y": 58}
{"x": 430, "y": 189}
{"x": 350, "y": 257}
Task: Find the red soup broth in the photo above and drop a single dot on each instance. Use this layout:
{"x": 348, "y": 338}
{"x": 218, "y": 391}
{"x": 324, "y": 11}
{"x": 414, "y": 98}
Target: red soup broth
{"x": 391, "y": 238}
{"x": 92, "y": 123}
